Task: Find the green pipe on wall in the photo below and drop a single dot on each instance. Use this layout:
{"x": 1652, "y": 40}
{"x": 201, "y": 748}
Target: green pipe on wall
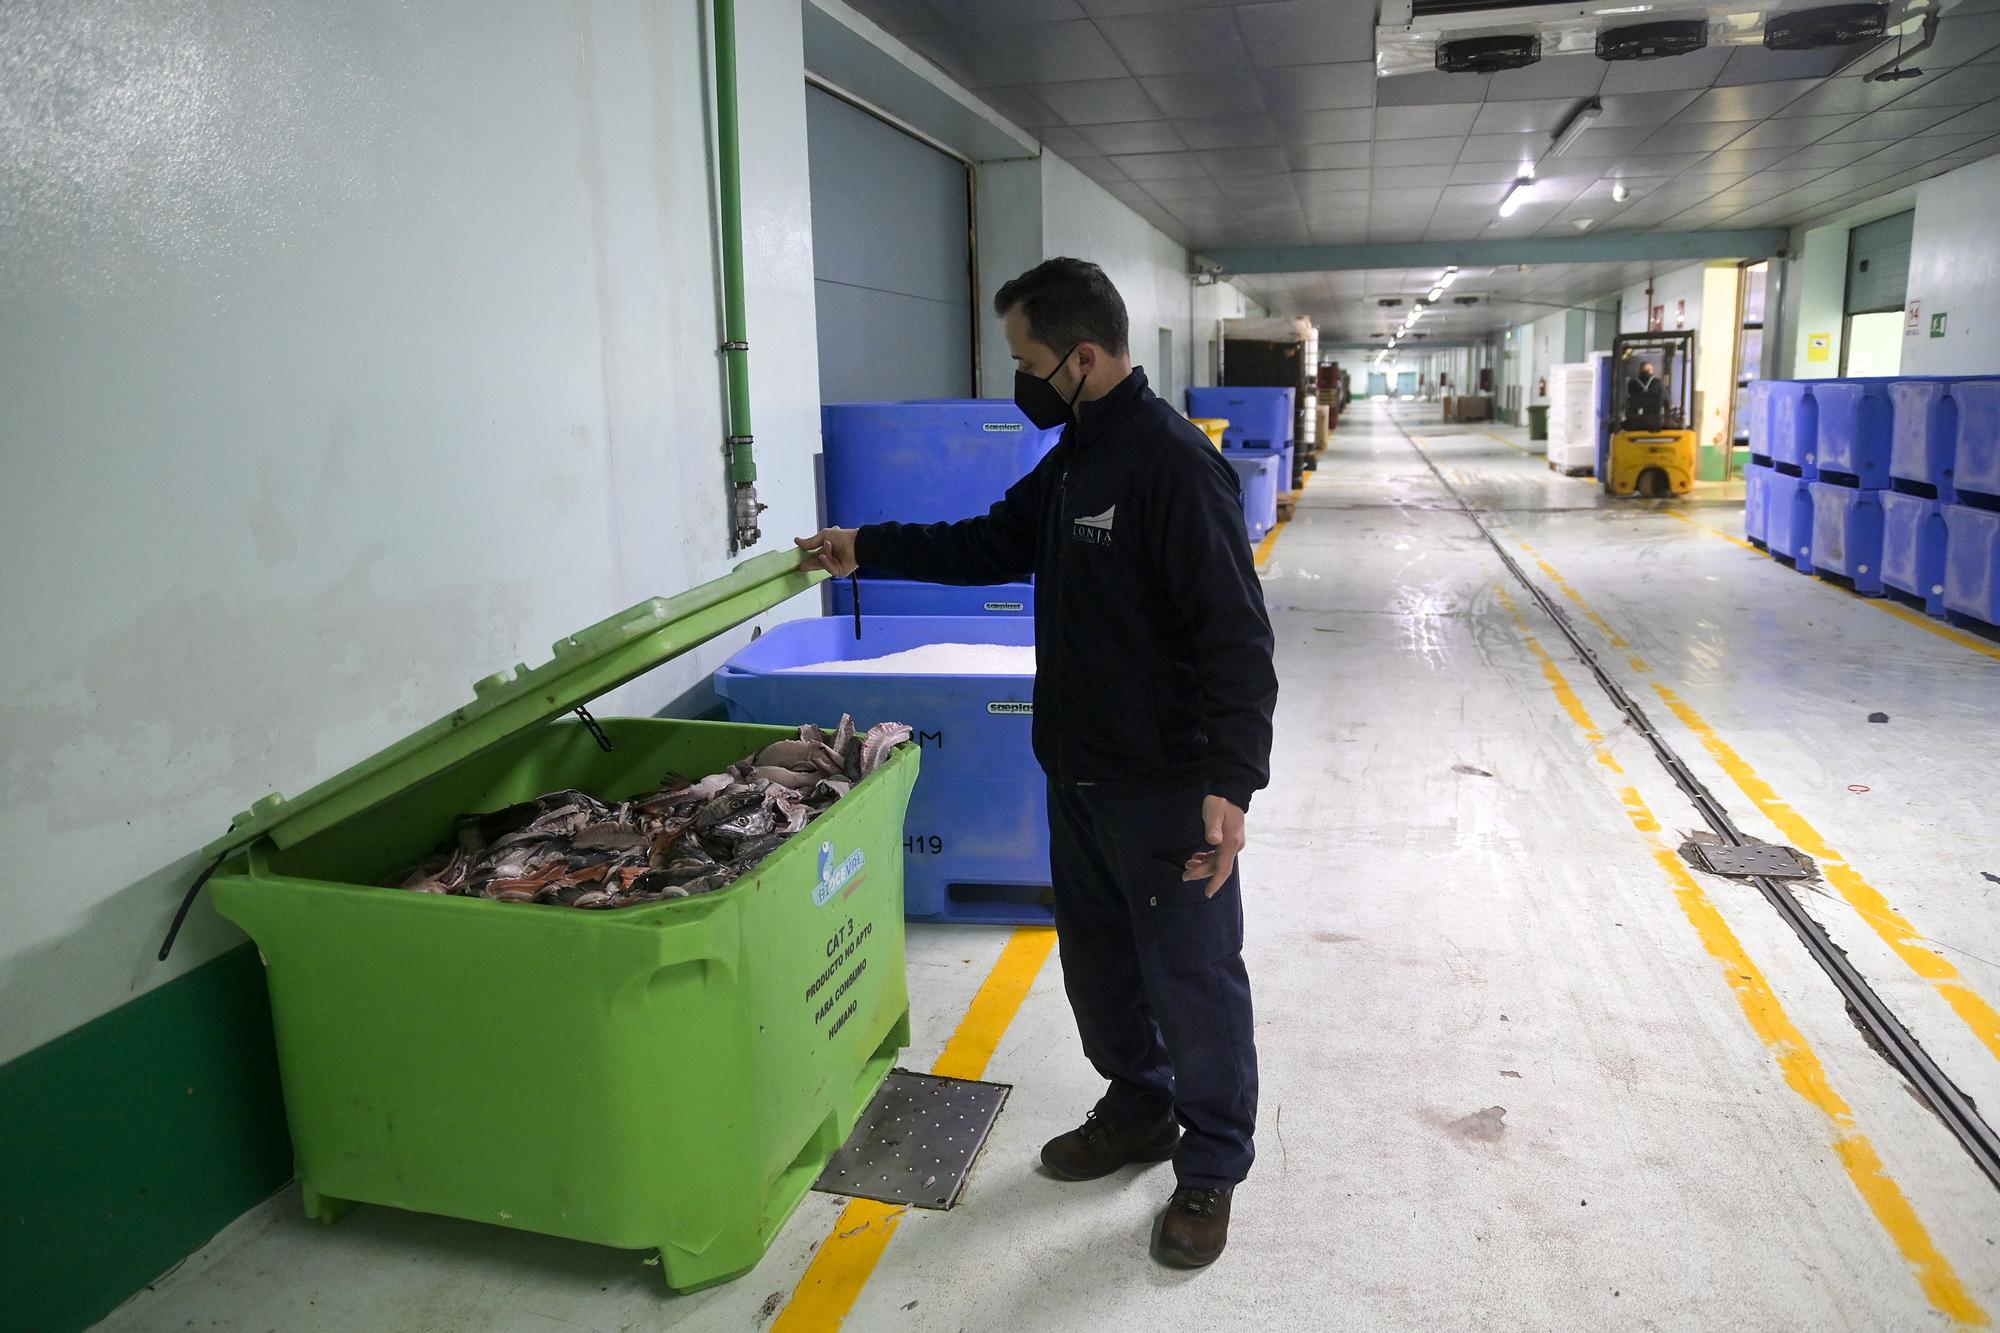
{"x": 735, "y": 325}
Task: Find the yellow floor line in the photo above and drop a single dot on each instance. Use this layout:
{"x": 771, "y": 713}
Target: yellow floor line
{"x": 1883, "y": 604}
{"x": 1796, "y": 1060}
{"x": 848, "y": 1255}
{"x": 1895, "y": 930}
{"x": 1904, "y": 939}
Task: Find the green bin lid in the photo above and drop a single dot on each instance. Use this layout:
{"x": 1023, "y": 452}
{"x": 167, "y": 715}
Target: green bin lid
{"x": 585, "y": 665}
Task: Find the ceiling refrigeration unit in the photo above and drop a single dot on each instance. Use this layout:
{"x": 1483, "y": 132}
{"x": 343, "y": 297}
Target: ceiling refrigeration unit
{"x": 1488, "y": 36}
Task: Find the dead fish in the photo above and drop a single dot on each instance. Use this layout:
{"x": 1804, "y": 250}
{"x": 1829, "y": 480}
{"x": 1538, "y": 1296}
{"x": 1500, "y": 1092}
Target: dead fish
{"x": 787, "y": 778}
{"x": 879, "y": 742}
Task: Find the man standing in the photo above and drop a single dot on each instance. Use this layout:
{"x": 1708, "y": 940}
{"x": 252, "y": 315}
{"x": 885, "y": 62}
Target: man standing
{"x": 1154, "y": 691}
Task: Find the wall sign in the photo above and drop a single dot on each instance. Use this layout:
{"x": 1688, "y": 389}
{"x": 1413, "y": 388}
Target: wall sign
{"x": 1937, "y": 326}
{"x": 1819, "y": 347}
{"x": 1912, "y": 321}
{"x": 1680, "y": 314}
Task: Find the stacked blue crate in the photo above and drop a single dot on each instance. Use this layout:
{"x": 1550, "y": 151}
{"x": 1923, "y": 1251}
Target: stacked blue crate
{"x": 1848, "y": 463}
{"x": 1261, "y": 421}
{"x": 929, "y": 461}
{"x": 1971, "y": 585}
{"x": 1922, "y": 456}
{"x": 1258, "y": 475}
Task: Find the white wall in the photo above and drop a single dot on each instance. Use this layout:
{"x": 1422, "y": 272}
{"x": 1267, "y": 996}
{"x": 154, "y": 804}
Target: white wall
{"x": 348, "y": 354}
{"x": 1669, "y": 289}
{"x": 1955, "y": 271}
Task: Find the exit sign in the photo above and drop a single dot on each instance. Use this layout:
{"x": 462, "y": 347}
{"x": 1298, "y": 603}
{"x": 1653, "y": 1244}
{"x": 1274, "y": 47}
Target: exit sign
{"x": 1937, "y": 326}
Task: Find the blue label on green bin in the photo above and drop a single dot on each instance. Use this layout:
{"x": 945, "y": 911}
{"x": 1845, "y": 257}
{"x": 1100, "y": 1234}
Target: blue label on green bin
{"x": 834, "y": 878}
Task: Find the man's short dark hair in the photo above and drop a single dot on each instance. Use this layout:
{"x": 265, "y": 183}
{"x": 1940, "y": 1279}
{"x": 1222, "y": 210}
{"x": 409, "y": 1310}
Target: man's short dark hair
{"x": 1066, "y": 302}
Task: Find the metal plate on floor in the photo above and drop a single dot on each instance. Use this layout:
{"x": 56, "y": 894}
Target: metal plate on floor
{"x": 917, "y": 1140}
{"x": 1755, "y": 859}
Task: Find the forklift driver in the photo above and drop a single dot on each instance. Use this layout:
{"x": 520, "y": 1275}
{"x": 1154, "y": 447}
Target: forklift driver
{"x": 1645, "y": 400}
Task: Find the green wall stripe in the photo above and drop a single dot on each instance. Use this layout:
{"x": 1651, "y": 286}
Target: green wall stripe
{"x": 133, "y": 1140}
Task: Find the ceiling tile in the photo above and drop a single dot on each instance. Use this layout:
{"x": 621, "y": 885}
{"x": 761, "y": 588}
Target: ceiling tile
{"x": 990, "y": 55}
{"x": 1421, "y": 152}
{"x": 1792, "y": 133}
{"x": 1977, "y": 120}
{"x": 1098, "y": 101}
{"x": 1303, "y": 32}
{"x": 1137, "y": 136}
{"x": 1923, "y": 148}
{"x": 1514, "y": 149}
{"x": 1354, "y": 125}
{"x": 1750, "y": 101}
{"x": 1403, "y": 201}
{"x": 1222, "y": 92}
{"x": 1892, "y": 124}
{"x": 1186, "y": 189}
{"x": 1327, "y": 156}
{"x": 1964, "y": 86}
{"x": 1097, "y": 168}
{"x": 1112, "y": 8}
{"x": 1175, "y": 43}
{"x": 1483, "y": 173}
{"x": 1754, "y": 64}
{"x": 1472, "y": 196}
{"x": 901, "y": 16}
{"x": 1658, "y": 164}
{"x": 1430, "y": 88}
{"x": 1541, "y": 116}
{"x": 1642, "y": 108}
{"x": 1853, "y": 97}
{"x": 1696, "y": 70}
{"x": 1827, "y": 155}
{"x": 1238, "y": 161}
{"x": 1007, "y": 11}
{"x": 1424, "y": 122}
{"x": 1963, "y": 37}
{"x": 1319, "y": 87}
{"x": 1330, "y": 182}
{"x": 1228, "y": 131}
{"x": 1127, "y": 192}
{"x": 1749, "y": 159}
{"x": 1392, "y": 178}
{"x": 1065, "y": 141}
{"x": 1788, "y": 177}
{"x": 1160, "y": 166}
{"x": 1694, "y": 136}
{"x": 1021, "y": 106}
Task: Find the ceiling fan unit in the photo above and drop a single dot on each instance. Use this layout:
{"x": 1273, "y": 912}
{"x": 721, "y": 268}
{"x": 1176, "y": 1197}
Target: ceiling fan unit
{"x": 1491, "y": 36}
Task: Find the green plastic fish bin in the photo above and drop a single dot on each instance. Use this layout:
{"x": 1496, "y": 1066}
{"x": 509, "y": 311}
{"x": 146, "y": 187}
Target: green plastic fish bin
{"x": 668, "y": 1077}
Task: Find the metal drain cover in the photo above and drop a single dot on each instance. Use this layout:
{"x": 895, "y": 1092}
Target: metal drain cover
{"x": 1755, "y": 859}
{"x": 917, "y": 1140}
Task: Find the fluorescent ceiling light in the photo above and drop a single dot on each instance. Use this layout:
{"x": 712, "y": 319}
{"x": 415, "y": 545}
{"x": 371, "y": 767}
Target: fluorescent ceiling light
{"x": 1517, "y": 194}
{"x": 1574, "y": 127}
{"x": 1450, "y": 276}
{"x": 1437, "y": 291}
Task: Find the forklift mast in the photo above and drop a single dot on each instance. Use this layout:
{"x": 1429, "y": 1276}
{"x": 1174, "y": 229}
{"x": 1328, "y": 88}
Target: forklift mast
{"x": 1662, "y": 401}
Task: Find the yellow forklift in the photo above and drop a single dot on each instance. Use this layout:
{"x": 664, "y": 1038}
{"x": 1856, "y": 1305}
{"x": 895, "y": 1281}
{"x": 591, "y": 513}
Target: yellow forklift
{"x": 1652, "y": 425}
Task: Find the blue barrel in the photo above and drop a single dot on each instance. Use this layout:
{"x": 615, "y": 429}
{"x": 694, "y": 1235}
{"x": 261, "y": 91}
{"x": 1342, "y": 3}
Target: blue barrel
{"x": 925, "y": 462}
{"x": 1972, "y": 563}
{"x": 1794, "y": 417}
{"x": 1913, "y": 548}
{"x": 1976, "y": 468}
{"x": 1259, "y": 419}
{"x": 903, "y": 597}
{"x": 1855, "y": 429}
{"x": 1847, "y": 535}
{"x": 976, "y": 841}
{"x": 1258, "y": 475}
{"x": 1756, "y": 502}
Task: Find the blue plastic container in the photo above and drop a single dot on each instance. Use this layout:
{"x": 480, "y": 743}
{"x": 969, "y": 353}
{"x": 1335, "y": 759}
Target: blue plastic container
{"x": 1759, "y": 409}
{"x": 1847, "y": 534}
{"x": 933, "y": 461}
{"x": 1977, "y": 466}
{"x": 1913, "y": 548}
{"x": 976, "y": 841}
{"x": 1972, "y": 563}
{"x": 1794, "y": 418}
{"x": 1258, "y": 475}
{"x": 1924, "y": 439}
{"x": 1259, "y": 419}
{"x": 1856, "y": 419}
{"x": 905, "y": 597}
{"x": 1788, "y": 518}
{"x": 1756, "y": 502}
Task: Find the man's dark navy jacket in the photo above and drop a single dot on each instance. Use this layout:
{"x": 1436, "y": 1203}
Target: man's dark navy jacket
{"x": 1153, "y": 649}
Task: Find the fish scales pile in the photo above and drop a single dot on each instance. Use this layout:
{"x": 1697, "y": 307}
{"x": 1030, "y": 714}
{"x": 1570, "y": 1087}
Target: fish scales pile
{"x": 569, "y": 849}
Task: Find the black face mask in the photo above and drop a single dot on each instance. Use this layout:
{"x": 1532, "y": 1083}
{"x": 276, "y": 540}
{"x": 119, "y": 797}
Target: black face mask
{"x": 1040, "y": 401}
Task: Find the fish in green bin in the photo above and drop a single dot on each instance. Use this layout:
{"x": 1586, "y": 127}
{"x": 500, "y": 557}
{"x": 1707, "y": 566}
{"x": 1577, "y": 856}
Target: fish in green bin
{"x": 569, "y": 849}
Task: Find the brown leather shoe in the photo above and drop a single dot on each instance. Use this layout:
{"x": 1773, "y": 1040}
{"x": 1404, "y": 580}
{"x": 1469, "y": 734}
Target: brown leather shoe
{"x": 1095, "y": 1148}
{"x": 1194, "y": 1229}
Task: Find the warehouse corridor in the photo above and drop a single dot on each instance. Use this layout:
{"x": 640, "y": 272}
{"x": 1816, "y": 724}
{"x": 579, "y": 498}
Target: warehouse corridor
{"x": 1521, "y": 1067}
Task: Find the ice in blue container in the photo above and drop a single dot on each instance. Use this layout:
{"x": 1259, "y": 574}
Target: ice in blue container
{"x": 1260, "y": 419}
{"x": 1847, "y": 535}
{"x": 1258, "y": 475}
{"x": 926, "y": 461}
{"x": 1972, "y": 564}
{"x": 976, "y": 845}
{"x": 1913, "y": 547}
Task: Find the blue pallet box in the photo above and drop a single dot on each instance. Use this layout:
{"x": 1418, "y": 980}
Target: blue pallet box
{"x": 1924, "y": 439}
{"x": 1977, "y": 467}
{"x": 1760, "y": 419}
{"x": 976, "y": 842}
{"x": 1913, "y": 548}
{"x": 905, "y": 597}
{"x": 1756, "y": 502}
{"x": 1794, "y": 421}
{"x": 1972, "y": 564}
{"x": 1788, "y": 519}
{"x": 1855, "y": 426}
{"x": 1260, "y": 419}
{"x": 1258, "y": 475}
{"x": 1847, "y": 535}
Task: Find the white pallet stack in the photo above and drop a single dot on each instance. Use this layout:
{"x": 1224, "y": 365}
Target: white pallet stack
{"x": 1573, "y": 417}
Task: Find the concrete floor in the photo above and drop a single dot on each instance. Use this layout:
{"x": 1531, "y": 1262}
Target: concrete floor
{"x": 1520, "y": 1070}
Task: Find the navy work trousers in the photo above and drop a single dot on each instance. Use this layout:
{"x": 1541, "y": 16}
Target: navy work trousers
{"x": 1154, "y": 971}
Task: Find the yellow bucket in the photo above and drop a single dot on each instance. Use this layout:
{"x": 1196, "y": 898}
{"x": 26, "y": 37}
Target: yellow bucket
{"x": 1214, "y": 426}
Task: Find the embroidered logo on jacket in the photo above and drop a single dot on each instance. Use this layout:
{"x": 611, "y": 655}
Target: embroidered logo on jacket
{"x": 1096, "y": 529}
